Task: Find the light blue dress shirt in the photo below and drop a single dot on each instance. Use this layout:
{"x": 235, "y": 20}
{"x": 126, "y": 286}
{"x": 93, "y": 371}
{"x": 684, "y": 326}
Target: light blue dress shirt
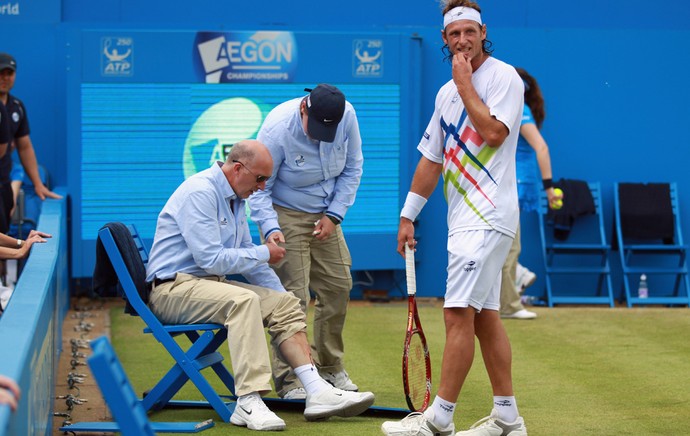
{"x": 197, "y": 233}
{"x": 308, "y": 175}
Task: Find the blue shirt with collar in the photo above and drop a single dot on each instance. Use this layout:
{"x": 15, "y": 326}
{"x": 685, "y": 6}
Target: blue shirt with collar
{"x": 308, "y": 175}
{"x": 197, "y": 233}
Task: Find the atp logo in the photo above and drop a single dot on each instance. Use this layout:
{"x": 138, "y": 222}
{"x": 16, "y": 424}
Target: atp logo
{"x": 217, "y": 129}
{"x": 117, "y": 56}
{"x": 470, "y": 266}
{"x": 367, "y": 60}
{"x": 266, "y": 56}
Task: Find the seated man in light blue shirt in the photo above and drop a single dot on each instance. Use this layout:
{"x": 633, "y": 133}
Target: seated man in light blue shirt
{"x": 317, "y": 167}
{"x": 201, "y": 236}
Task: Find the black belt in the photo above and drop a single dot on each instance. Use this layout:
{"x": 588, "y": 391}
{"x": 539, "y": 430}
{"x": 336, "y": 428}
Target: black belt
{"x": 158, "y": 282}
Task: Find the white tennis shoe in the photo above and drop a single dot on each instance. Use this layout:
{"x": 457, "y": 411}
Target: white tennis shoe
{"x": 252, "y": 412}
{"x": 493, "y": 426}
{"x": 415, "y": 424}
{"x": 295, "y": 394}
{"x": 524, "y": 278}
{"x": 336, "y": 402}
{"x": 340, "y": 380}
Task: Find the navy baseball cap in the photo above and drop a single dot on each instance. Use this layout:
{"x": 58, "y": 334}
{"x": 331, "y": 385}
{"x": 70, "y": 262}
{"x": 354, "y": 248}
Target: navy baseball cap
{"x": 325, "y": 109}
{"x": 7, "y": 61}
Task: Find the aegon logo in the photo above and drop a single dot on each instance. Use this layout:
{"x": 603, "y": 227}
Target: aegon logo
{"x": 245, "y": 56}
{"x": 217, "y": 129}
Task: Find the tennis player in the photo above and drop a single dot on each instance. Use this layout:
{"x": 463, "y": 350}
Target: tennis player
{"x": 471, "y": 140}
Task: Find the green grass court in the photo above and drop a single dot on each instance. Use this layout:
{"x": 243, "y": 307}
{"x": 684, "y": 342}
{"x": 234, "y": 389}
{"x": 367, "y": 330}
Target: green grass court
{"x": 576, "y": 371}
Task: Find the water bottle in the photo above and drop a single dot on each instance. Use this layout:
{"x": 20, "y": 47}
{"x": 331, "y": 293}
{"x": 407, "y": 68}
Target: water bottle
{"x": 643, "y": 289}
{"x": 529, "y": 300}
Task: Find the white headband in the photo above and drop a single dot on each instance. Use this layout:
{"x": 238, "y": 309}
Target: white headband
{"x": 461, "y": 13}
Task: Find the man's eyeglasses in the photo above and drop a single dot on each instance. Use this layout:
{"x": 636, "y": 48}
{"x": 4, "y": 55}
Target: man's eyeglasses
{"x": 259, "y": 179}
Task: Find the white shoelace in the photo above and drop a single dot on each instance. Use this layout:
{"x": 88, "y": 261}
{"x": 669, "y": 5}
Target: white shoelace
{"x": 254, "y": 401}
{"x": 413, "y": 421}
{"x": 484, "y": 422}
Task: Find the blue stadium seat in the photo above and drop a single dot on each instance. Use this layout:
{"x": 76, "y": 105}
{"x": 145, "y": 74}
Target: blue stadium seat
{"x": 650, "y": 242}
{"x": 574, "y": 248}
{"x": 130, "y": 416}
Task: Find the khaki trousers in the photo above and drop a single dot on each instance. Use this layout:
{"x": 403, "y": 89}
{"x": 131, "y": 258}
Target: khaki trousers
{"x": 323, "y": 267}
{"x": 244, "y": 310}
{"x": 510, "y": 298}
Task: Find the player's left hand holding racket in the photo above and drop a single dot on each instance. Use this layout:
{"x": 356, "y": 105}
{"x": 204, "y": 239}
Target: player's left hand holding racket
{"x": 416, "y": 362}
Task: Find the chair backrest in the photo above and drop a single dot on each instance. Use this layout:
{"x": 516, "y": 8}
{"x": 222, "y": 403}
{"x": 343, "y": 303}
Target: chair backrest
{"x": 587, "y": 228}
{"x": 647, "y": 213}
{"x": 126, "y": 256}
{"x": 117, "y": 390}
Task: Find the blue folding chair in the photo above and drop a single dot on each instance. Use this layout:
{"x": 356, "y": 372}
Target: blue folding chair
{"x": 130, "y": 416}
{"x": 577, "y": 262}
{"x": 127, "y": 254}
{"x": 650, "y": 242}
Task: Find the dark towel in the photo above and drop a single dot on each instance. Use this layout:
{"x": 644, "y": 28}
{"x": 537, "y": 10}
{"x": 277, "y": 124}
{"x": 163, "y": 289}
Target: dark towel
{"x": 104, "y": 276}
{"x": 646, "y": 212}
{"x": 577, "y": 201}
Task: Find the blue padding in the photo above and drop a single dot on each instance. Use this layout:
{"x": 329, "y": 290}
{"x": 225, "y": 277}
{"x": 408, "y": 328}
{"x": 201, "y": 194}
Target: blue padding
{"x": 31, "y": 325}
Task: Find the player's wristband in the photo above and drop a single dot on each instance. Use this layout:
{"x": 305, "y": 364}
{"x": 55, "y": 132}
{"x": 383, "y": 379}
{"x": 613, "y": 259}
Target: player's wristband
{"x": 19, "y": 243}
{"x": 413, "y": 205}
{"x": 548, "y": 183}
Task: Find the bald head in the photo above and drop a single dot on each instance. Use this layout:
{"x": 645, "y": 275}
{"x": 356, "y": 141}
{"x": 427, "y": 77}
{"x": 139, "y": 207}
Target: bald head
{"x": 247, "y": 167}
{"x": 247, "y": 151}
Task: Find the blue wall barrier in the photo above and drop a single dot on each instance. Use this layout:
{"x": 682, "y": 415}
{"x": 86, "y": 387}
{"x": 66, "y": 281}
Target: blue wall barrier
{"x": 31, "y": 326}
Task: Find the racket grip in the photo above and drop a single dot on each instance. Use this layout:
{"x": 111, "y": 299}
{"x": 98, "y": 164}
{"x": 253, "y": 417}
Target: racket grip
{"x": 410, "y": 271}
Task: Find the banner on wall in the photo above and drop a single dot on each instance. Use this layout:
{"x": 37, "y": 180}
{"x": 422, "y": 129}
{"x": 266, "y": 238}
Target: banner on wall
{"x": 265, "y": 56}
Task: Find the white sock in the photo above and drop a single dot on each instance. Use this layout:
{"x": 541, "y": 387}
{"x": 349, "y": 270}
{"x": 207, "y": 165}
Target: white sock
{"x": 506, "y": 408}
{"x": 310, "y": 378}
{"x": 442, "y": 412}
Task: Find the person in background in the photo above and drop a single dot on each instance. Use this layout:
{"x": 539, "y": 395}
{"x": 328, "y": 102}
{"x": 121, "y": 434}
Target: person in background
{"x": 532, "y": 151}
{"x": 4, "y": 130}
{"x": 317, "y": 167}
{"x": 9, "y": 392}
{"x": 19, "y": 139}
{"x": 202, "y": 236}
{"x": 11, "y": 248}
{"x": 470, "y": 140}
{"x": 16, "y": 177}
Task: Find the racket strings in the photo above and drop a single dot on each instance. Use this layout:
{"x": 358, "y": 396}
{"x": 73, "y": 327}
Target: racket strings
{"x": 416, "y": 372}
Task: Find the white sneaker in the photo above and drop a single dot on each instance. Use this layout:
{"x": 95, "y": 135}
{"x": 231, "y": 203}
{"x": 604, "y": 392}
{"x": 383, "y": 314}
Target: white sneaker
{"x": 340, "y": 380}
{"x": 520, "y": 314}
{"x": 252, "y": 412}
{"x": 336, "y": 402}
{"x": 524, "y": 278}
{"x": 295, "y": 394}
{"x": 415, "y": 424}
{"x": 493, "y": 426}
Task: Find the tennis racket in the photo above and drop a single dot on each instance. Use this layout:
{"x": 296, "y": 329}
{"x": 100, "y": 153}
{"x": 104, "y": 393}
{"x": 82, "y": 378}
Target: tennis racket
{"x": 416, "y": 363}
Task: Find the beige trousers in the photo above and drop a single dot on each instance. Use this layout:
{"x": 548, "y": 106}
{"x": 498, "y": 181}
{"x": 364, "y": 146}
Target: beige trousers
{"x": 323, "y": 267}
{"x": 244, "y": 310}
{"x": 510, "y": 298}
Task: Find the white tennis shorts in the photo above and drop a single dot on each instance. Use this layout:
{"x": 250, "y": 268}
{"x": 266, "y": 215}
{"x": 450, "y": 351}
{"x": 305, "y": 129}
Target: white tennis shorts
{"x": 475, "y": 260}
